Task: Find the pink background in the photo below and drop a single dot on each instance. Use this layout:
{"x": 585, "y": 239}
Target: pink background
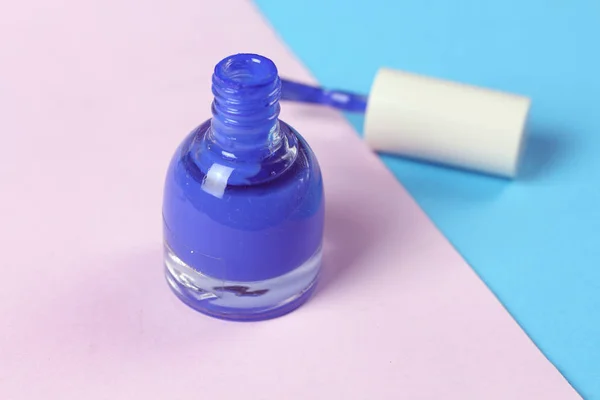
{"x": 95, "y": 96}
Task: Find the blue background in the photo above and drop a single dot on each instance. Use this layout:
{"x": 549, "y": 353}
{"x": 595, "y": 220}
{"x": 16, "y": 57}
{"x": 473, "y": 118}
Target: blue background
{"x": 535, "y": 241}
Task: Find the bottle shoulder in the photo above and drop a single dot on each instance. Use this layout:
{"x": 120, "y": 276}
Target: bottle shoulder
{"x": 195, "y": 161}
{"x": 242, "y": 163}
{"x": 298, "y": 190}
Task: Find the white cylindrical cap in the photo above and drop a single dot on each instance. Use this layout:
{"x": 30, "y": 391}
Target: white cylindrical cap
{"x": 446, "y": 122}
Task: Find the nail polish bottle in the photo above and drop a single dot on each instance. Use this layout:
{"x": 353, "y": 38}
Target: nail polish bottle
{"x": 243, "y": 203}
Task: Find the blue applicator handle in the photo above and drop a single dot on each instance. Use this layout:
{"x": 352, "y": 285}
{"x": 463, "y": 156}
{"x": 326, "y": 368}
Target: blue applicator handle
{"x": 342, "y": 100}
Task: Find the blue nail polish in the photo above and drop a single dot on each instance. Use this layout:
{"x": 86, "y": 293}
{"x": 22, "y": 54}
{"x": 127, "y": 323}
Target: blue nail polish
{"x": 243, "y": 203}
{"x": 340, "y": 99}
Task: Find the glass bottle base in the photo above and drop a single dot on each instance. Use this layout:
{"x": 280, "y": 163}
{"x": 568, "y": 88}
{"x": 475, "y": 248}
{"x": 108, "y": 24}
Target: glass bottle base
{"x": 242, "y": 301}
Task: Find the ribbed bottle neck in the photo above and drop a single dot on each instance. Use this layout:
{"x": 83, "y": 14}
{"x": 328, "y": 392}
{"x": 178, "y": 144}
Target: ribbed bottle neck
{"x": 245, "y": 109}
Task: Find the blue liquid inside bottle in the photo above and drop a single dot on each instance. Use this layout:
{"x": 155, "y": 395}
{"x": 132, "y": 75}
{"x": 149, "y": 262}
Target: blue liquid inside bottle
{"x": 243, "y": 203}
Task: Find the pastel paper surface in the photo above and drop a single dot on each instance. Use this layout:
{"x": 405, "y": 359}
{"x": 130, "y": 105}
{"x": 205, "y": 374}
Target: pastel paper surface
{"x": 95, "y": 96}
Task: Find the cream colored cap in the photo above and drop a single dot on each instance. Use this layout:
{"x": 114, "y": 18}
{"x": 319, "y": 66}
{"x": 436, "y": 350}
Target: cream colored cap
{"x": 446, "y": 122}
